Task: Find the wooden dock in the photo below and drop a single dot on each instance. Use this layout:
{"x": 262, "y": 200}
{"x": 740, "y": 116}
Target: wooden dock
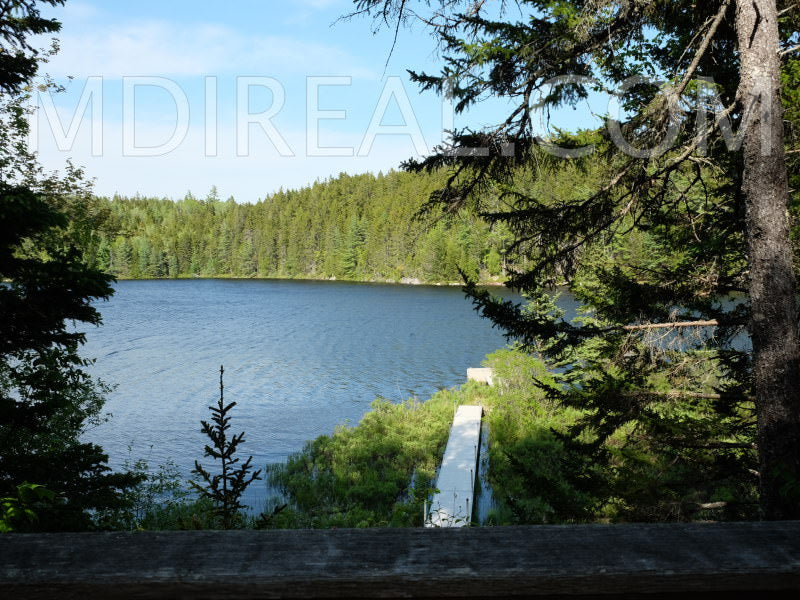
{"x": 481, "y": 375}
{"x": 452, "y": 505}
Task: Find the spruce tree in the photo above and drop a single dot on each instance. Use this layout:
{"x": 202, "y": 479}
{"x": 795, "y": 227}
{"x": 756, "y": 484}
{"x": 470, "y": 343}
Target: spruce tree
{"x": 225, "y": 488}
{"x": 713, "y": 205}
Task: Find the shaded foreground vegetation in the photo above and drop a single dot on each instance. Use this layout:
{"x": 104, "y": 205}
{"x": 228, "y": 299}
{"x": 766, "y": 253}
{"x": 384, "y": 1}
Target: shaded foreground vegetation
{"x": 717, "y": 214}
{"x": 381, "y": 471}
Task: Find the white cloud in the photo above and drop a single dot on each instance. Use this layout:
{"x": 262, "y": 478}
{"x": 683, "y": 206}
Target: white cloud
{"x": 262, "y": 171}
{"x": 158, "y": 48}
{"x": 164, "y": 49}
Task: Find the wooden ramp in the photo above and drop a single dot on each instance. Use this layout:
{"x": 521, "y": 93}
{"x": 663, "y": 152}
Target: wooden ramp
{"x": 452, "y": 505}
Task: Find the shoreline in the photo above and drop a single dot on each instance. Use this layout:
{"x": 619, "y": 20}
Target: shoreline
{"x": 412, "y": 281}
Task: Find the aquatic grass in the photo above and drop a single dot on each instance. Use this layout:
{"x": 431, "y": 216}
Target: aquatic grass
{"x": 380, "y": 471}
{"x": 377, "y": 473}
{"x": 530, "y": 470}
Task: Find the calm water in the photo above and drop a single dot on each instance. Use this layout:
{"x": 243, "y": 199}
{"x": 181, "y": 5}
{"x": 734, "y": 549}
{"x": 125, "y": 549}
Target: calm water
{"x": 300, "y": 358}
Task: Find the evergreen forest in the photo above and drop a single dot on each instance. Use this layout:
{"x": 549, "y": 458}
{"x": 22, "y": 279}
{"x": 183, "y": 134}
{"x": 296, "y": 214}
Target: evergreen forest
{"x": 359, "y": 227}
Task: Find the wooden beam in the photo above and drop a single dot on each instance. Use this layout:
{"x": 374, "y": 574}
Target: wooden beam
{"x": 588, "y": 561}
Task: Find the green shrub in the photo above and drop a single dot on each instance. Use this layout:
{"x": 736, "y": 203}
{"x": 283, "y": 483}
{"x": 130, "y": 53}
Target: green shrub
{"x": 377, "y": 473}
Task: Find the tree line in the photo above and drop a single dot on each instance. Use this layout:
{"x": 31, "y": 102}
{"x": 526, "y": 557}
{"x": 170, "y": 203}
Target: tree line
{"x": 350, "y": 227}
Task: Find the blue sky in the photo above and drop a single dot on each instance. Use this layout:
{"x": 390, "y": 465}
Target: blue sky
{"x": 321, "y": 96}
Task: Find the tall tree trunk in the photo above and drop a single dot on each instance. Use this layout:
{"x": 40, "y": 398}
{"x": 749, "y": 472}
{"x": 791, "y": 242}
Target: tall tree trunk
{"x": 773, "y": 326}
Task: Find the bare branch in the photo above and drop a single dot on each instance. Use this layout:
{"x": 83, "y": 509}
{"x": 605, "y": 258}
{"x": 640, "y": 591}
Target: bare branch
{"x": 701, "y": 50}
{"x": 789, "y": 50}
{"x": 708, "y": 323}
{"x": 396, "y": 32}
{"x": 680, "y": 394}
{"x": 723, "y": 445}
{"x": 710, "y": 505}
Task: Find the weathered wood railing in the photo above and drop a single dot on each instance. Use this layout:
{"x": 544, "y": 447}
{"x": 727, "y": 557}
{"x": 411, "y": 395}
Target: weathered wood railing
{"x": 620, "y": 561}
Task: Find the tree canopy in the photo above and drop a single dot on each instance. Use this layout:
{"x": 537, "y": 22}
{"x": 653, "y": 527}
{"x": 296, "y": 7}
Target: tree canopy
{"x": 694, "y": 172}
{"x": 46, "y": 397}
{"x": 19, "y": 61}
{"x": 348, "y": 227}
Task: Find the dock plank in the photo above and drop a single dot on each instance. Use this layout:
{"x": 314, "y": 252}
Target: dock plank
{"x": 452, "y": 505}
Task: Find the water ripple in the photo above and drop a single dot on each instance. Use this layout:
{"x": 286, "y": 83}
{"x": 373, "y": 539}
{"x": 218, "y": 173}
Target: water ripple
{"x": 300, "y": 358}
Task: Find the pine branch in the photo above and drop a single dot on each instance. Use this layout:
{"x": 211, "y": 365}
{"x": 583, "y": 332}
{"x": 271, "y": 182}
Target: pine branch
{"x": 712, "y": 30}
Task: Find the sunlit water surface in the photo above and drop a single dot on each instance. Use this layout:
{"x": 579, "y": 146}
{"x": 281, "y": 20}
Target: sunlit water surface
{"x": 300, "y": 358}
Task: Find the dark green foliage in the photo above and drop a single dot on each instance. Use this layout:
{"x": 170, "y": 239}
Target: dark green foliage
{"x": 224, "y": 489}
{"x": 667, "y": 426}
{"x": 352, "y": 251}
{"x": 534, "y": 476}
{"x": 46, "y": 397}
{"x": 20, "y": 511}
{"x": 351, "y": 227}
{"x": 19, "y": 61}
{"x": 161, "y": 501}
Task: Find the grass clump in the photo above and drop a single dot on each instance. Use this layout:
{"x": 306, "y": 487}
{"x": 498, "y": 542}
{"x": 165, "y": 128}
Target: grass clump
{"x": 380, "y": 472}
{"x": 377, "y": 473}
{"x": 532, "y": 472}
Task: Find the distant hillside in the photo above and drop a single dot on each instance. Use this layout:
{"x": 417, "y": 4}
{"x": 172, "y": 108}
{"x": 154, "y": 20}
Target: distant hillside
{"x": 351, "y": 227}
